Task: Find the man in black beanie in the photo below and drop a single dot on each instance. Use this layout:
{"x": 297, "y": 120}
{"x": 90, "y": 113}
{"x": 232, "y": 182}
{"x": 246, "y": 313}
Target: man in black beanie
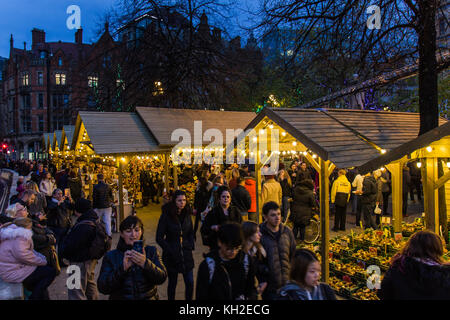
{"x": 76, "y": 250}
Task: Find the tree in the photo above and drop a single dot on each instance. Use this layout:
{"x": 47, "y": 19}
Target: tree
{"x": 338, "y": 34}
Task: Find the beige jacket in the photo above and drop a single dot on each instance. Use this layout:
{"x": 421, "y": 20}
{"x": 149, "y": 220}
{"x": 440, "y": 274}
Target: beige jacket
{"x": 271, "y": 191}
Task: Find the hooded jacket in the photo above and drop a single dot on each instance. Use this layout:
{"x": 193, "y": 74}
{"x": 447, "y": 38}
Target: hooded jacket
{"x": 230, "y": 280}
{"x": 416, "y": 280}
{"x": 175, "y": 235}
{"x": 135, "y": 283}
{"x": 17, "y": 256}
{"x": 369, "y": 190}
{"x": 303, "y": 203}
{"x": 280, "y": 251}
{"x": 250, "y": 185}
{"x": 271, "y": 191}
{"x": 293, "y": 291}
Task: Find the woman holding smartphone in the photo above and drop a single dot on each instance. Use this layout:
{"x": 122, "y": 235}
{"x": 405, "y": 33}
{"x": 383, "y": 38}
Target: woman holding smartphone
{"x": 127, "y": 274}
{"x": 175, "y": 235}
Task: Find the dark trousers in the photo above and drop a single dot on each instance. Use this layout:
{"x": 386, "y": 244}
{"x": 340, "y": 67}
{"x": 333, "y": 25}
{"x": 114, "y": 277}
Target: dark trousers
{"x": 340, "y": 217}
{"x": 39, "y": 281}
{"x": 405, "y": 203}
{"x": 415, "y": 185}
{"x": 188, "y": 282}
{"x": 284, "y": 207}
{"x": 299, "y": 228}
{"x": 60, "y": 235}
{"x": 358, "y": 209}
{"x": 385, "y": 202}
{"x": 368, "y": 214}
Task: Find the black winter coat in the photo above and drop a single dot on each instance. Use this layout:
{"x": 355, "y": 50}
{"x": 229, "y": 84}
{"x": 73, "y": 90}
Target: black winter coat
{"x": 229, "y": 280}
{"x": 240, "y": 198}
{"x": 217, "y": 217}
{"x": 302, "y": 204}
{"x": 80, "y": 238}
{"x": 369, "y": 190}
{"x": 177, "y": 255}
{"x": 76, "y": 188}
{"x": 303, "y": 175}
{"x": 415, "y": 280}
{"x": 101, "y": 196}
{"x": 58, "y": 215}
{"x": 201, "y": 199}
{"x": 292, "y": 291}
{"x": 280, "y": 251}
{"x": 262, "y": 271}
{"x": 286, "y": 188}
{"x": 135, "y": 283}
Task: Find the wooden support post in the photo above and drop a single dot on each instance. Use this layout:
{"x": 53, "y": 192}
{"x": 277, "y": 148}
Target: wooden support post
{"x": 431, "y": 204}
{"x": 121, "y": 211}
{"x": 166, "y": 172}
{"x": 325, "y": 217}
{"x": 396, "y": 170}
{"x": 259, "y": 203}
{"x": 175, "y": 177}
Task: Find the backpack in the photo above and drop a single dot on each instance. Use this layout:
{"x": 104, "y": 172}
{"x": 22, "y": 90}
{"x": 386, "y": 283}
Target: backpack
{"x": 212, "y": 266}
{"x": 102, "y": 241}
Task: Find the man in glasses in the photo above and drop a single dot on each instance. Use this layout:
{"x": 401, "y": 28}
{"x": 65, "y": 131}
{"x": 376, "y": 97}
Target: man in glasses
{"x": 227, "y": 273}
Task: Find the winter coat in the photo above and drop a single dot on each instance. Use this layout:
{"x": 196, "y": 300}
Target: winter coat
{"x": 379, "y": 196}
{"x": 271, "y": 191}
{"x": 101, "y": 196}
{"x": 416, "y": 280}
{"x": 259, "y": 257}
{"x": 75, "y": 187}
{"x": 39, "y": 204}
{"x": 230, "y": 280}
{"x": 135, "y": 283}
{"x": 303, "y": 203}
{"x": 18, "y": 259}
{"x": 369, "y": 190}
{"x": 293, "y": 291}
{"x": 58, "y": 215}
{"x": 280, "y": 250}
{"x": 217, "y": 217}
{"x": 240, "y": 198}
{"x": 43, "y": 237}
{"x": 175, "y": 235}
{"x": 80, "y": 238}
{"x": 47, "y": 187}
{"x": 250, "y": 185}
{"x": 406, "y": 180}
{"x": 302, "y": 175}
{"x": 340, "y": 191}
{"x": 201, "y": 199}
{"x": 286, "y": 189}
{"x": 385, "y": 178}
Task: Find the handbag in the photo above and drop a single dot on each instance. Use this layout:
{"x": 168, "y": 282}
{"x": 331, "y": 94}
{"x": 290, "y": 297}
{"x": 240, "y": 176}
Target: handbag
{"x": 53, "y": 260}
{"x": 377, "y": 210}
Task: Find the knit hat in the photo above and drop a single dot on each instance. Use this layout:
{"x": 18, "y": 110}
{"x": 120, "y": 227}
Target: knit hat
{"x": 83, "y": 205}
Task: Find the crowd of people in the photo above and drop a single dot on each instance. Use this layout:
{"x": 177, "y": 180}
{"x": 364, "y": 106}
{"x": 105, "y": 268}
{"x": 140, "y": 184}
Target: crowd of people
{"x": 47, "y": 228}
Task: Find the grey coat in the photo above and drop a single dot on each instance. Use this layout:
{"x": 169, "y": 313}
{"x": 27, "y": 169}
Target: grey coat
{"x": 279, "y": 255}
{"x": 39, "y": 204}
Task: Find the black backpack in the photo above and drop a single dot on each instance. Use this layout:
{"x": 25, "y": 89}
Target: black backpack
{"x": 102, "y": 241}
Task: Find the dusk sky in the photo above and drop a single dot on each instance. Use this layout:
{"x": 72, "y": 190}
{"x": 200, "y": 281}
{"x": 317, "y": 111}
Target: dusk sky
{"x": 19, "y": 17}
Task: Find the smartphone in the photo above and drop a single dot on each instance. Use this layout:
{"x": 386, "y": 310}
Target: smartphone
{"x": 67, "y": 192}
{"x": 138, "y": 246}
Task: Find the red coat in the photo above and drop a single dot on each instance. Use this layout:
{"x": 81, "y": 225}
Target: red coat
{"x": 250, "y": 185}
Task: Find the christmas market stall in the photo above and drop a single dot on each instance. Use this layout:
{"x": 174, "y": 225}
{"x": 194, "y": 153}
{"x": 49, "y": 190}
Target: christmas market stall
{"x": 329, "y": 140}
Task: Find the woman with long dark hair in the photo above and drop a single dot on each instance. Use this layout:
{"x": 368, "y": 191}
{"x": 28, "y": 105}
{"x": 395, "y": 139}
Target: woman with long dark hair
{"x": 418, "y": 272}
{"x": 175, "y": 235}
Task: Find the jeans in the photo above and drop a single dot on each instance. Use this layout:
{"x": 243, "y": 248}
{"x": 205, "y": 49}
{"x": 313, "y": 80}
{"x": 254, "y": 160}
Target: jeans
{"x": 188, "y": 282}
{"x": 368, "y": 214}
{"x": 284, "y": 207}
{"x": 105, "y": 215}
{"x": 60, "y": 235}
{"x": 297, "y": 228}
{"x": 88, "y": 289}
{"x": 358, "y": 209}
{"x": 39, "y": 281}
{"x": 385, "y": 202}
{"x": 340, "y": 217}
{"x": 405, "y": 203}
{"x": 415, "y": 185}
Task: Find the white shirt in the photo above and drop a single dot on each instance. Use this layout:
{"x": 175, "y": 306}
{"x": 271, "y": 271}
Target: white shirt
{"x": 358, "y": 182}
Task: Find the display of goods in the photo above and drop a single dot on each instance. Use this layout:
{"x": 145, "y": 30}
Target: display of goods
{"x": 409, "y": 228}
{"x": 346, "y": 268}
{"x": 189, "y": 189}
{"x": 343, "y": 288}
{"x": 365, "y": 294}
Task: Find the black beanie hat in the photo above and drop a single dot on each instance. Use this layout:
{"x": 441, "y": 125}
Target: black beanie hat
{"x": 83, "y": 205}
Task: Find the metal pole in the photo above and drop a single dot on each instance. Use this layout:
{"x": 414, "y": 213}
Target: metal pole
{"x": 166, "y": 172}
{"x": 121, "y": 211}
{"x": 324, "y": 218}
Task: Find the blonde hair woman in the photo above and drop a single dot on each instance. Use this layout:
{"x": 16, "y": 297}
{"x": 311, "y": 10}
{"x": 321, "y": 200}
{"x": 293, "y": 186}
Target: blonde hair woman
{"x": 286, "y": 188}
{"x": 40, "y": 202}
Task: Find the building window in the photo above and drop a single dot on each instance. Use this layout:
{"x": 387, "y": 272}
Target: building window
{"x": 26, "y": 101}
{"x": 92, "y": 81}
{"x": 40, "y": 79}
{"x": 66, "y": 100}
{"x": 40, "y": 101}
{"x": 41, "y": 123}
{"x": 60, "y": 79}
{"x": 25, "y": 79}
{"x": 60, "y": 61}
{"x": 159, "y": 89}
{"x": 42, "y": 54}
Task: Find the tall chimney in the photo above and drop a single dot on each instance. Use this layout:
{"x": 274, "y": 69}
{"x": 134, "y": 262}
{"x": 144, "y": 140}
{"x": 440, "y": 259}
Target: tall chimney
{"x": 24, "y": 46}
{"x": 79, "y": 36}
{"x": 38, "y": 37}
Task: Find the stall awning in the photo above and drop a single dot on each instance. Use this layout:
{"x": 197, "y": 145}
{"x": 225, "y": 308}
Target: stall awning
{"x": 163, "y": 121}
{"x": 67, "y": 136}
{"x": 57, "y": 139}
{"x": 114, "y": 132}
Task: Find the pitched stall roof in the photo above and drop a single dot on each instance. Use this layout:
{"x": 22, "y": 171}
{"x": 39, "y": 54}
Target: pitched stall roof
{"x": 163, "y": 121}
{"x": 57, "y": 136}
{"x": 45, "y": 139}
{"x": 407, "y": 148}
{"x": 115, "y": 132}
{"x": 67, "y": 135}
{"x": 387, "y": 130}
